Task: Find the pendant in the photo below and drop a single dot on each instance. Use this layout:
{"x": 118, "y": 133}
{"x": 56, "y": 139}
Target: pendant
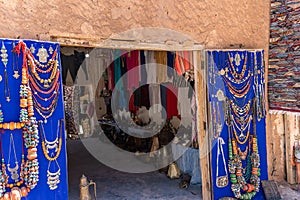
{"x": 53, "y": 177}
{"x": 222, "y": 181}
{"x": 8, "y": 99}
{"x": 220, "y": 95}
{"x": 14, "y": 171}
{"x": 242, "y": 154}
{"x": 42, "y": 54}
{"x": 52, "y": 146}
{"x": 237, "y": 59}
{"x": 4, "y": 54}
{"x": 46, "y": 84}
{"x": 50, "y": 50}
{"x": 32, "y": 49}
{"x": 242, "y": 136}
{"x": 222, "y": 72}
{"x": 16, "y": 74}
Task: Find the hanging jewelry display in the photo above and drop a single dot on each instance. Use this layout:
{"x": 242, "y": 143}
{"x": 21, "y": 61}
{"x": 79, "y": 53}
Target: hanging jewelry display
{"x": 237, "y": 178}
{"x": 13, "y": 171}
{"x": 56, "y": 144}
{"x": 258, "y": 86}
{"x": 240, "y": 113}
{"x": 4, "y": 59}
{"x": 221, "y": 181}
{"x": 29, "y": 171}
{"x": 46, "y": 89}
{"x": 15, "y": 64}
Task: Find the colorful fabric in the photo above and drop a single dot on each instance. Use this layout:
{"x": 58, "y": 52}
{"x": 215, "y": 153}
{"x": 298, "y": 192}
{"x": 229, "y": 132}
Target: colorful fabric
{"x": 172, "y": 93}
{"x": 284, "y": 57}
{"x": 161, "y": 65}
{"x": 132, "y": 61}
{"x": 117, "y": 64}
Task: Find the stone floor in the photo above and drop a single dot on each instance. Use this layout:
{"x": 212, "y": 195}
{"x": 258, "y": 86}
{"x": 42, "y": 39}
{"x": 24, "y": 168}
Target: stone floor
{"x": 116, "y": 185}
{"x": 289, "y": 192}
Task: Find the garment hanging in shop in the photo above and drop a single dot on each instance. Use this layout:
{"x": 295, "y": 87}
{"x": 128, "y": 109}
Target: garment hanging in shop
{"x": 170, "y": 64}
{"x": 172, "y": 101}
{"x": 72, "y": 64}
{"x": 161, "y": 63}
{"x": 110, "y": 74}
{"x": 143, "y": 71}
{"x": 132, "y": 61}
{"x": 151, "y": 69}
{"x": 117, "y": 65}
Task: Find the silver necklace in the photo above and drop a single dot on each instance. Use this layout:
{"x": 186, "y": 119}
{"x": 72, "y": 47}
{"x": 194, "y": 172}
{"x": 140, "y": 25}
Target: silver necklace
{"x": 13, "y": 171}
{"x": 51, "y": 144}
{"x": 4, "y": 59}
{"x": 53, "y": 177}
{"x": 221, "y": 181}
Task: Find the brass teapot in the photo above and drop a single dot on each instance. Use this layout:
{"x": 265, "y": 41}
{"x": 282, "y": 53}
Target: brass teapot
{"x": 84, "y": 188}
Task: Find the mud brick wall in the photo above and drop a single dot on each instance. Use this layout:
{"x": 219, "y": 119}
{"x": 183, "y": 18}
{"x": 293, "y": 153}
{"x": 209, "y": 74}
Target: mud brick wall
{"x": 213, "y": 23}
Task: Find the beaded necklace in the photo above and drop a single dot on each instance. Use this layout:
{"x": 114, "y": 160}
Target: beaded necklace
{"x": 234, "y": 71}
{"x": 27, "y": 122}
{"x": 238, "y": 92}
{"x": 45, "y": 82}
{"x": 237, "y": 173}
{"x": 44, "y": 89}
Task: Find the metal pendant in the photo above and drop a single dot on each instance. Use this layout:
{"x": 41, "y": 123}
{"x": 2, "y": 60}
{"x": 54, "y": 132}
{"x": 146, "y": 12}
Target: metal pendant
{"x": 32, "y": 49}
{"x": 237, "y": 59}
{"x": 53, "y": 177}
{"x": 50, "y": 50}
{"x": 42, "y": 54}
{"x": 220, "y": 95}
{"x": 14, "y": 171}
{"x": 51, "y": 146}
{"x": 16, "y": 74}
{"x": 4, "y": 55}
{"x": 222, "y": 181}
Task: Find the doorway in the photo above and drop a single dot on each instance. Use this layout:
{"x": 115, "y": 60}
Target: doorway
{"x": 91, "y": 112}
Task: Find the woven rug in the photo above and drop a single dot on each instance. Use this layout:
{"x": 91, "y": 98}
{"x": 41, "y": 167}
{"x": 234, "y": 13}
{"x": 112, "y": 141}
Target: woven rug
{"x": 284, "y": 57}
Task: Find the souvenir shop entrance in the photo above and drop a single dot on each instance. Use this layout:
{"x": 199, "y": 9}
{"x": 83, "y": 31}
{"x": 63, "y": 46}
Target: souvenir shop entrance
{"x": 141, "y": 102}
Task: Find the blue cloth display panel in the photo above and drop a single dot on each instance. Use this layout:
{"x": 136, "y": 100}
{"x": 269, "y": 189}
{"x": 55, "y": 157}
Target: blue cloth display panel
{"x": 235, "y": 80}
{"x": 11, "y": 111}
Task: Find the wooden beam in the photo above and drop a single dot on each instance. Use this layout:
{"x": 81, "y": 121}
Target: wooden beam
{"x": 275, "y": 147}
{"x": 203, "y": 138}
{"x": 291, "y": 136}
{"x": 126, "y": 44}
